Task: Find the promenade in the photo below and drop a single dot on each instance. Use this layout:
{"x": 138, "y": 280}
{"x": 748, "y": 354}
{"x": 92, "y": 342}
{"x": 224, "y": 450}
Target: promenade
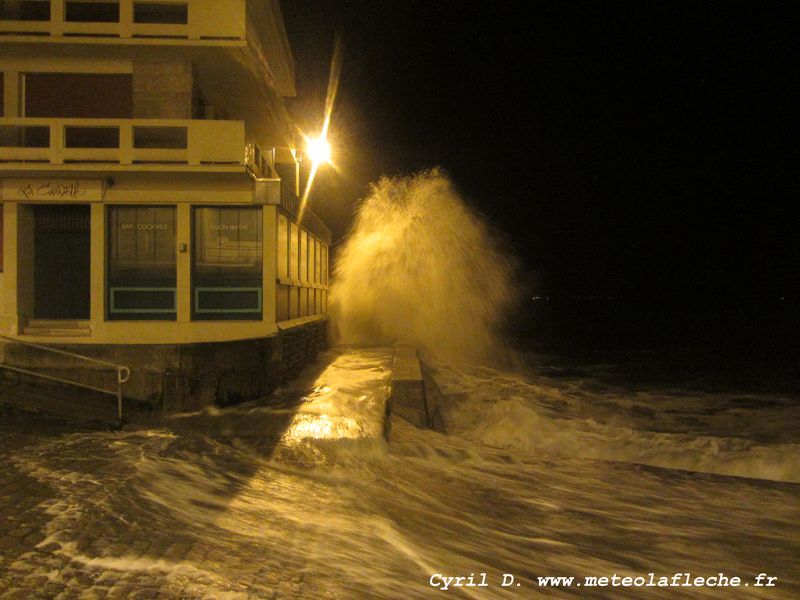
{"x": 163, "y": 509}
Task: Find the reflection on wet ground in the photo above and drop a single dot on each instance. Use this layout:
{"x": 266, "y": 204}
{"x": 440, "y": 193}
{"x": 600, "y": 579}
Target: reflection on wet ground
{"x": 537, "y": 478}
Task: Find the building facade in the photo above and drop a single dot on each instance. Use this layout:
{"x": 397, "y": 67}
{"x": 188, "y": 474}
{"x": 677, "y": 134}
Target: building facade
{"x": 149, "y": 195}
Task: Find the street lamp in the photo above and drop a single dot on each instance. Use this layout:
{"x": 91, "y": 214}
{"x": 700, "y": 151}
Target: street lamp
{"x": 319, "y": 150}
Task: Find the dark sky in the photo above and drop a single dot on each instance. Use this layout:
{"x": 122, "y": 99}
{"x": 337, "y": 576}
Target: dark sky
{"x": 623, "y": 148}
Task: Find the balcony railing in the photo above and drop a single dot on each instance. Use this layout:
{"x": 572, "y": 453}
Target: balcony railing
{"x": 122, "y": 141}
{"x": 167, "y": 19}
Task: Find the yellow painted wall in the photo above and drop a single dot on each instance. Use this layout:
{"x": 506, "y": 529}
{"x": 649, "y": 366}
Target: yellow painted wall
{"x": 180, "y": 190}
{"x": 23, "y": 300}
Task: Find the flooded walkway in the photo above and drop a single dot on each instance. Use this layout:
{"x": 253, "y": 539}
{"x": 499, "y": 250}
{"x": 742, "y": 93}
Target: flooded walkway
{"x": 299, "y": 497}
{"x": 163, "y": 509}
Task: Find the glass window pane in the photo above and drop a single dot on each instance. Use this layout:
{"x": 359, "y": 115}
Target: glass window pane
{"x": 303, "y": 256}
{"x": 303, "y": 302}
{"x": 282, "y": 302}
{"x": 227, "y": 263}
{"x": 294, "y": 302}
{"x": 141, "y": 262}
{"x": 317, "y": 261}
{"x": 324, "y": 265}
{"x": 294, "y": 259}
{"x": 283, "y": 247}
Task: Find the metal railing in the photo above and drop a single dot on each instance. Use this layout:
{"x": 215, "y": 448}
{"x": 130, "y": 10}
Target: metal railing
{"x": 123, "y": 373}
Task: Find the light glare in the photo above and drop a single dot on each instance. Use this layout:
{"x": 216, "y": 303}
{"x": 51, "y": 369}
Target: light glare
{"x": 319, "y": 150}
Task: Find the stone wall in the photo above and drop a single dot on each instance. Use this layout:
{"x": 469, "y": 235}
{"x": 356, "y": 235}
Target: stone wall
{"x": 185, "y": 377}
{"x": 301, "y": 344}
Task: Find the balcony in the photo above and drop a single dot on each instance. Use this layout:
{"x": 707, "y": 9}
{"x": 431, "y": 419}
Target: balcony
{"x": 131, "y": 143}
{"x": 213, "y": 21}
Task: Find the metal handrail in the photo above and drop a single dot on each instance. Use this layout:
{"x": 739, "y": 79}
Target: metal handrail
{"x": 123, "y": 372}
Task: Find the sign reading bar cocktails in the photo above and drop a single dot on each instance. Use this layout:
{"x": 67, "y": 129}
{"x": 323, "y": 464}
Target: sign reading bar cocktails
{"x": 85, "y": 190}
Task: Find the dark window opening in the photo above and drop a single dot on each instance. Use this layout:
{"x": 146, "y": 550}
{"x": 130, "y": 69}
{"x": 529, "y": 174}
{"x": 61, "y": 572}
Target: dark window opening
{"x": 91, "y": 137}
{"x": 166, "y": 13}
{"x": 92, "y": 12}
{"x": 79, "y": 95}
{"x": 24, "y": 136}
{"x": 171, "y": 138}
{"x": 25, "y": 10}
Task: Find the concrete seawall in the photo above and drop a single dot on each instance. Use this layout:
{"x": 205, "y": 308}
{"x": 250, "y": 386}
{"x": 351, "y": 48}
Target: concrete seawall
{"x": 323, "y": 398}
{"x": 185, "y": 377}
{"x": 414, "y": 394}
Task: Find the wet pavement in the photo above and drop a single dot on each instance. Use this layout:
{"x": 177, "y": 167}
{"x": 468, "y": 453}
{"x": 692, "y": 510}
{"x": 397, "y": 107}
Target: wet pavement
{"x": 88, "y": 514}
{"x": 299, "y": 496}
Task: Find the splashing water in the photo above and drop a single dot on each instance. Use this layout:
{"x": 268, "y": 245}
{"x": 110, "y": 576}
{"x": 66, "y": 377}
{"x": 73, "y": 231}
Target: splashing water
{"x": 204, "y": 505}
{"x": 420, "y": 266}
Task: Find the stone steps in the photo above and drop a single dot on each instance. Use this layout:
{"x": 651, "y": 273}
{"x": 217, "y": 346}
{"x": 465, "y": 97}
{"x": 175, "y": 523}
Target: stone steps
{"x": 62, "y": 401}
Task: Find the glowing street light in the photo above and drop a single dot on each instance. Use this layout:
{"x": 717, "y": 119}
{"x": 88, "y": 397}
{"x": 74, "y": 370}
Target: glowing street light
{"x": 319, "y": 150}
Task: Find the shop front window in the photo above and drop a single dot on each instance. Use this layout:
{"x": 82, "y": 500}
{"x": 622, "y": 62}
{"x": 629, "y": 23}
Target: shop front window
{"x": 141, "y": 262}
{"x": 282, "y": 289}
{"x": 227, "y": 263}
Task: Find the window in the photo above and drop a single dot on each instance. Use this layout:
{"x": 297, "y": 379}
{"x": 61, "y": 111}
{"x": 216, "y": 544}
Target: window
{"x": 303, "y": 256}
{"x": 165, "y": 13}
{"x": 298, "y": 292}
{"x": 227, "y": 263}
{"x": 324, "y": 279}
{"x": 294, "y": 261}
{"x": 317, "y": 259}
{"x": 78, "y": 95}
{"x": 25, "y": 10}
{"x": 294, "y": 302}
{"x": 141, "y": 262}
{"x": 282, "y": 289}
{"x": 92, "y": 11}
{"x": 283, "y": 247}
{"x": 324, "y": 265}
{"x": 168, "y": 138}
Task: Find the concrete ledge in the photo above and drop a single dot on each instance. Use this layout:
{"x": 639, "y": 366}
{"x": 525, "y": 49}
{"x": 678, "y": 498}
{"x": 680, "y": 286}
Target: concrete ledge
{"x": 408, "y": 387}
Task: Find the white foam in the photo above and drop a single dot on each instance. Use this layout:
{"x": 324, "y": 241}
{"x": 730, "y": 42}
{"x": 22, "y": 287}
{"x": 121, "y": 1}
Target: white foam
{"x": 420, "y": 266}
{"x": 506, "y": 411}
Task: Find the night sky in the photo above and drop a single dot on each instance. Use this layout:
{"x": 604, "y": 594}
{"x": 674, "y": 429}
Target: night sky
{"x": 635, "y": 149}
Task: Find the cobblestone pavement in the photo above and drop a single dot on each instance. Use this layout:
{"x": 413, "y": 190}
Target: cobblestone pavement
{"x": 73, "y": 525}
{"x": 174, "y": 509}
